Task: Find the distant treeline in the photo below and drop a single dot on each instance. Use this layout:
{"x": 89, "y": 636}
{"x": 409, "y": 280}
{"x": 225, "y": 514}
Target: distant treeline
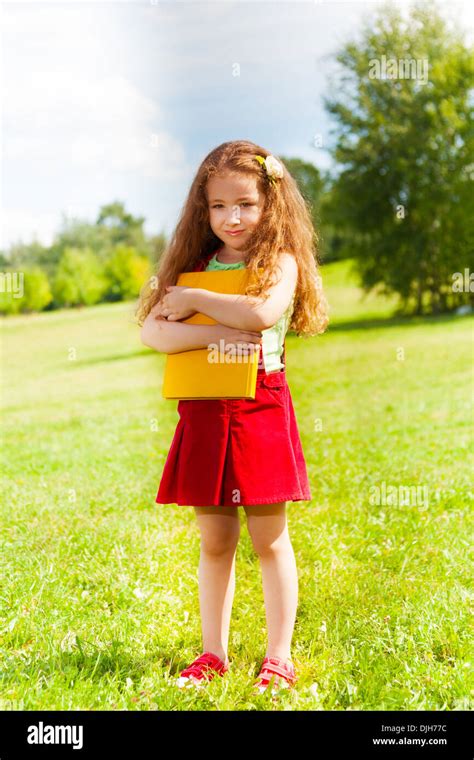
{"x": 87, "y": 263}
{"x": 106, "y": 260}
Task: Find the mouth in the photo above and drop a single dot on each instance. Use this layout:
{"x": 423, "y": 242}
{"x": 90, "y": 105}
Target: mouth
{"x": 234, "y": 232}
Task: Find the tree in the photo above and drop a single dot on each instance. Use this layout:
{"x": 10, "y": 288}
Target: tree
{"x": 126, "y": 272}
{"x": 28, "y": 290}
{"x": 404, "y": 142}
{"x": 122, "y": 227}
{"x": 37, "y": 290}
{"x": 79, "y": 279}
{"x": 157, "y": 245}
{"x": 31, "y": 255}
{"x": 312, "y": 187}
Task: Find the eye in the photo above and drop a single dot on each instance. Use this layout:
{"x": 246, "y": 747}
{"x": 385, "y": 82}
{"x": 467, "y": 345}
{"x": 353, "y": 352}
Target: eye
{"x": 244, "y": 203}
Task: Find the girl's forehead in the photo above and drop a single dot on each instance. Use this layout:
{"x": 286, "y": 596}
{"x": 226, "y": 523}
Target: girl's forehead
{"x": 232, "y": 182}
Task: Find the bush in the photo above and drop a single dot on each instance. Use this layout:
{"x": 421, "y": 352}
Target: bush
{"x": 125, "y": 271}
{"x": 25, "y": 290}
{"x": 80, "y": 278}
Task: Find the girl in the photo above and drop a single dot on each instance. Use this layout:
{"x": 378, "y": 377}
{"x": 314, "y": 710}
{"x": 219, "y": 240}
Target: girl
{"x": 244, "y": 209}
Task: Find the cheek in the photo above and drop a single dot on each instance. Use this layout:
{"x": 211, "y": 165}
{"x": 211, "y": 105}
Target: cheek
{"x": 251, "y": 216}
{"x": 215, "y": 217}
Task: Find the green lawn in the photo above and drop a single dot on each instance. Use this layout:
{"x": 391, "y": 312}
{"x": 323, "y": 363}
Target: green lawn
{"x": 99, "y": 600}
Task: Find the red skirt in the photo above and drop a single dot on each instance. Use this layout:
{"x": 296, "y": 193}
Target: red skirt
{"x": 235, "y": 452}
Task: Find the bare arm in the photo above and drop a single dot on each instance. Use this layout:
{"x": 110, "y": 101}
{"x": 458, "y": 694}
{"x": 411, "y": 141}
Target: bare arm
{"x": 174, "y": 337}
{"x": 249, "y": 312}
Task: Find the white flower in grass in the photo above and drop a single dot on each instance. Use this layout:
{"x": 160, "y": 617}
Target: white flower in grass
{"x": 69, "y": 642}
{"x": 187, "y": 682}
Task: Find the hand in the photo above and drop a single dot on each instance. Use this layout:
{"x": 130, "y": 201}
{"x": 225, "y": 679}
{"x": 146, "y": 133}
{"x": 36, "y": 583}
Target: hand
{"x": 176, "y": 303}
{"x": 246, "y": 340}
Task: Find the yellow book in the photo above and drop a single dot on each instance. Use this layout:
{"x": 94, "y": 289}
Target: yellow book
{"x": 207, "y": 373}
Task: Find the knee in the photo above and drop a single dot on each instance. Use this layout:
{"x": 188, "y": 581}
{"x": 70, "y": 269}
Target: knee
{"x": 219, "y": 542}
{"x": 267, "y": 544}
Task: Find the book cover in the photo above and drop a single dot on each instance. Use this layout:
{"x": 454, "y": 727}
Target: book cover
{"x": 209, "y": 372}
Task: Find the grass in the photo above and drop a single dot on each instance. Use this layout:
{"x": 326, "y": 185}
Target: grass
{"x": 99, "y": 602}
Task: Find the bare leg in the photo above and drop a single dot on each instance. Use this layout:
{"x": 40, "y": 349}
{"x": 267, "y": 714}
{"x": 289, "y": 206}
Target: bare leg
{"x": 268, "y": 530}
{"x": 220, "y": 530}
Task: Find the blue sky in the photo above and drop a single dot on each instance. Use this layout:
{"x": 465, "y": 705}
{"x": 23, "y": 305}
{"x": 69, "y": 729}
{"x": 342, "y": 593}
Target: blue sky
{"x": 122, "y": 100}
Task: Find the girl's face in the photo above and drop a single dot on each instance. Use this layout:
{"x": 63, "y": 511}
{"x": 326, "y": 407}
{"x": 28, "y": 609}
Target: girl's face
{"x": 235, "y": 204}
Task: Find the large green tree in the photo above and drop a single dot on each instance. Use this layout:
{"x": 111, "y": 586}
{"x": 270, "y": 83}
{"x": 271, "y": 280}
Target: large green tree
{"x": 317, "y": 191}
{"x": 312, "y": 187}
{"x": 403, "y": 107}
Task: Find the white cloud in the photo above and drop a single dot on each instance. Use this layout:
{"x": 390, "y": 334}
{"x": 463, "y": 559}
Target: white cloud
{"x": 67, "y": 97}
{"x": 78, "y": 126}
{"x": 104, "y": 123}
{"x": 21, "y": 224}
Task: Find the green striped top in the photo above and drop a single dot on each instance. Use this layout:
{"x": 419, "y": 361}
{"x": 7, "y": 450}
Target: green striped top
{"x": 273, "y": 338}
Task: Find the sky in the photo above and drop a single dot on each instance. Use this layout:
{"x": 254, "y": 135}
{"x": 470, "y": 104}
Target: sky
{"x": 122, "y": 100}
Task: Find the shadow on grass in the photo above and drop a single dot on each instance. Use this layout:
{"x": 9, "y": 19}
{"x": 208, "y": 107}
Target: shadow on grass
{"x": 374, "y": 323}
{"x": 112, "y": 358}
{"x": 98, "y": 664}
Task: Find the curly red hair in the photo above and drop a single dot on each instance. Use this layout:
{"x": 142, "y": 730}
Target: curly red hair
{"x": 285, "y": 226}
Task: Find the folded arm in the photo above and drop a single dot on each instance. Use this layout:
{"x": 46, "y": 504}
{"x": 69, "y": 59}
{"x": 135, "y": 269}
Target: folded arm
{"x": 173, "y": 337}
{"x": 250, "y": 312}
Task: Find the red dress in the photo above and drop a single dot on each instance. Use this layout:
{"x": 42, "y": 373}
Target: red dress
{"x": 235, "y": 452}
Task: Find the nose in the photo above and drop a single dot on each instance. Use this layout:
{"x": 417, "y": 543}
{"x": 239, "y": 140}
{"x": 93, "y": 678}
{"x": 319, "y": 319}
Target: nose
{"x": 235, "y": 215}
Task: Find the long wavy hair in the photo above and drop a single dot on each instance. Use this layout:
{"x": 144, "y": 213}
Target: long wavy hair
{"x": 284, "y": 226}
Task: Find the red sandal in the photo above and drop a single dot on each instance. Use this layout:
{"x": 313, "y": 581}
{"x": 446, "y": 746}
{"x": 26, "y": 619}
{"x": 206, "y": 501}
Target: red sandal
{"x": 204, "y": 668}
{"x": 276, "y": 671}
